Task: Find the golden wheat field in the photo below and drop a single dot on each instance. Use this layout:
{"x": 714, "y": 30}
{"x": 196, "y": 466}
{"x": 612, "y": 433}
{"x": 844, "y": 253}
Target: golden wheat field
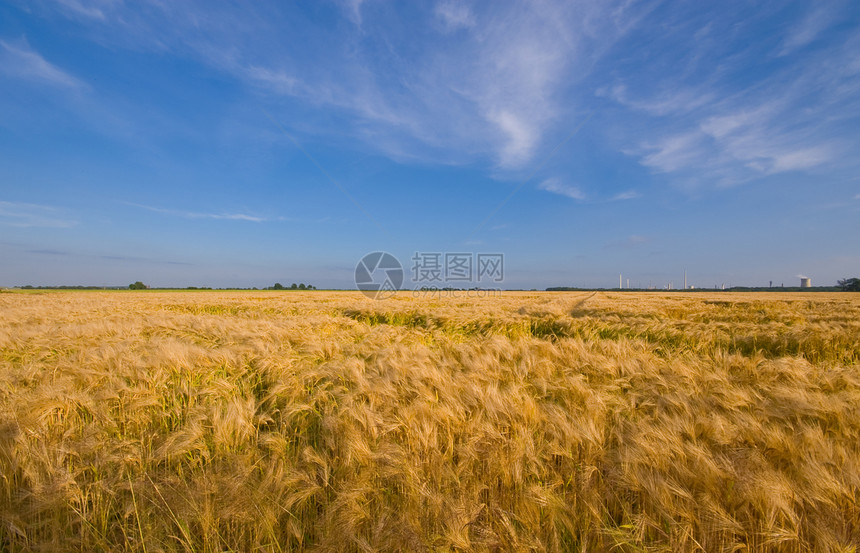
{"x": 328, "y": 422}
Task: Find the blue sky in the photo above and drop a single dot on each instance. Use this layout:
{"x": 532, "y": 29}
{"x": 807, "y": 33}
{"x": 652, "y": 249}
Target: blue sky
{"x": 204, "y": 143}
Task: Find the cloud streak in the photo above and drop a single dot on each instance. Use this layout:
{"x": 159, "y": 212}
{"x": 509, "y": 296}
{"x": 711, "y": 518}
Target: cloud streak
{"x": 455, "y": 15}
{"x": 715, "y": 131}
{"x": 489, "y": 83}
{"x": 75, "y": 7}
{"x": 24, "y": 215}
{"x": 626, "y": 195}
{"x": 106, "y": 257}
{"x": 810, "y": 27}
{"x": 23, "y": 62}
{"x": 494, "y": 82}
{"x": 555, "y": 186}
{"x": 199, "y": 215}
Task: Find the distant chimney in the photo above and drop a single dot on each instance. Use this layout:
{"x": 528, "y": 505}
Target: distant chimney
{"x": 806, "y": 282}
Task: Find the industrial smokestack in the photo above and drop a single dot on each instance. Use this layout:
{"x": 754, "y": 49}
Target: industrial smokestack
{"x": 805, "y": 281}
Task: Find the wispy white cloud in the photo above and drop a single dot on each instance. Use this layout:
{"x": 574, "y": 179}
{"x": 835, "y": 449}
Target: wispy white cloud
{"x": 716, "y": 132}
{"x": 455, "y": 15}
{"x": 662, "y": 103}
{"x": 727, "y": 124}
{"x": 555, "y": 186}
{"x": 815, "y": 22}
{"x": 674, "y": 152}
{"x": 353, "y": 10}
{"x": 23, "y": 62}
{"x": 276, "y": 80}
{"x": 626, "y": 195}
{"x": 199, "y": 215}
{"x": 25, "y": 215}
{"x": 756, "y": 139}
{"x": 780, "y": 161}
{"x": 92, "y": 9}
{"x": 733, "y": 158}
{"x": 494, "y": 89}
{"x": 99, "y": 256}
{"x": 505, "y": 81}
{"x": 520, "y": 137}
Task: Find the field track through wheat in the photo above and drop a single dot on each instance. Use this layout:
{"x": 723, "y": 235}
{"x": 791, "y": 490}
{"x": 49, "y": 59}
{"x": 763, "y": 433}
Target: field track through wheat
{"x": 328, "y": 422}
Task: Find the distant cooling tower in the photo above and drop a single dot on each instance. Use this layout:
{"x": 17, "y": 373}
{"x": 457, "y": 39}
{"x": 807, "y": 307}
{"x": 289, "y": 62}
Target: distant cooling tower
{"x": 806, "y": 283}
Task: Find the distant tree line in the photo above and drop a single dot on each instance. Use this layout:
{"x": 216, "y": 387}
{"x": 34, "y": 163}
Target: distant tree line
{"x": 293, "y": 286}
{"x": 849, "y": 284}
{"x": 138, "y": 285}
{"x": 277, "y": 286}
{"x": 67, "y": 287}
